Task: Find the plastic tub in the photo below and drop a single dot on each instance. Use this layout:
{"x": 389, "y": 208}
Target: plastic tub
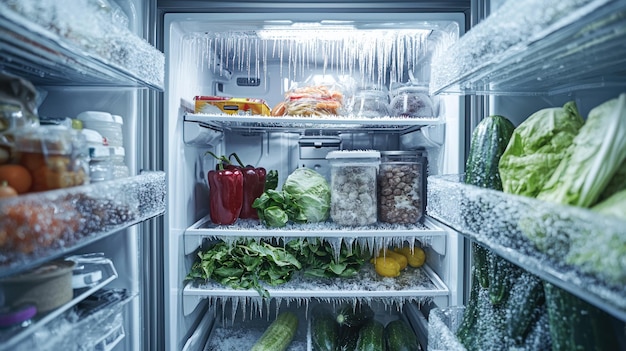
{"x": 108, "y": 125}
{"x": 353, "y": 186}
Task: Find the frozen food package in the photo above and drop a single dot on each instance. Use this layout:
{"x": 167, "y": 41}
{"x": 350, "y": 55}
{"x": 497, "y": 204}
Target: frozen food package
{"x": 411, "y": 101}
{"x": 317, "y": 100}
{"x": 231, "y": 105}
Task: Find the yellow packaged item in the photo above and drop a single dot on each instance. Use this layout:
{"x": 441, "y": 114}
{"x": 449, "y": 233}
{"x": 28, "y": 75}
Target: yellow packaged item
{"x": 231, "y": 105}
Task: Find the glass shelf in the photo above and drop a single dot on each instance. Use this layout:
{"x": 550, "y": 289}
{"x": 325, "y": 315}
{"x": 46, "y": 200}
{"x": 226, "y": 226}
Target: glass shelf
{"x": 299, "y": 123}
{"x": 10, "y": 338}
{"x": 427, "y": 233}
{"x": 48, "y": 44}
{"x": 413, "y": 284}
{"x": 583, "y": 248}
{"x": 537, "y": 47}
{"x": 38, "y": 227}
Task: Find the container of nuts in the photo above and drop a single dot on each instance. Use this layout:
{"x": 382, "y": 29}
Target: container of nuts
{"x": 401, "y": 186}
{"x": 353, "y": 186}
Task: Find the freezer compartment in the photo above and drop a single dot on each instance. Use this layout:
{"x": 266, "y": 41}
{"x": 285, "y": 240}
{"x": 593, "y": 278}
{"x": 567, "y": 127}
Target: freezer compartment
{"x": 38, "y": 227}
{"x": 90, "y": 325}
{"x": 537, "y": 47}
{"x": 235, "y": 327}
{"x": 48, "y": 43}
{"x": 90, "y": 273}
{"x": 582, "y": 249}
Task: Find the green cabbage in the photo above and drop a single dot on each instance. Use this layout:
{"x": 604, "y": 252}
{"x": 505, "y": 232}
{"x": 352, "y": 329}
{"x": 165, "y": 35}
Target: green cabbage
{"x": 537, "y": 147}
{"x": 593, "y": 159}
{"x": 310, "y": 193}
{"x": 615, "y": 206}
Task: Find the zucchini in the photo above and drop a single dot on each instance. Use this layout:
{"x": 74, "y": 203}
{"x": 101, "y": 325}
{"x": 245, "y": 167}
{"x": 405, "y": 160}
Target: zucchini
{"x": 279, "y": 334}
{"x": 576, "y": 324}
{"x": 400, "y": 337}
{"x": 489, "y": 140}
{"x": 354, "y": 316}
{"x": 348, "y": 338}
{"x": 502, "y": 275}
{"x": 324, "y": 330}
{"x": 371, "y": 337}
{"x": 524, "y": 307}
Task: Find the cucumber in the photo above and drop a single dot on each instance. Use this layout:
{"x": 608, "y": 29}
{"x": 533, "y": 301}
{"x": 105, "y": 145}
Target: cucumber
{"x": 348, "y": 338}
{"x": 371, "y": 337}
{"x": 324, "y": 330}
{"x": 354, "y": 316}
{"x": 400, "y": 337}
{"x": 524, "y": 307}
{"x": 279, "y": 334}
{"x": 576, "y": 324}
{"x": 489, "y": 140}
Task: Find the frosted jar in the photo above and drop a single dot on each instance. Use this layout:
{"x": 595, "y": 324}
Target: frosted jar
{"x": 411, "y": 102}
{"x": 109, "y": 126}
{"x": 100, "y": 165}
{"x": 120, "y": 170}
{"x": 371, "y": 103}
{"x": 401, "y": 187}
{"x": 353, "y": 187}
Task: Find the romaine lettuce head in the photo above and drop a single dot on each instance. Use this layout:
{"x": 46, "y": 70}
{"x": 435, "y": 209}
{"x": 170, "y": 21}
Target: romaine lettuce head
{"x": 537, "y": 147}
{"x": 310, "y": 193}
{"x": 596, "y": 154}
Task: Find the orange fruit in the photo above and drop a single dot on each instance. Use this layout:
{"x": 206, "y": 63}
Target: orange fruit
{"x": 17, "y": 177}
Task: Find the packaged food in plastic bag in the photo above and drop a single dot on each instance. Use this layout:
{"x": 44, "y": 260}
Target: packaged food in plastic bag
{"x": 316, "y": 100}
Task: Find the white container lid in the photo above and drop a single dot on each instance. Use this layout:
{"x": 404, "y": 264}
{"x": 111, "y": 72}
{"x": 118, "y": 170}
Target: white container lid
{"x": 118, "y": 119}
{"x": 95, "y": 116}
{"x": 352, "y": 154}
{"x": 92, "y": 137}
{"x": 117, "y": 151}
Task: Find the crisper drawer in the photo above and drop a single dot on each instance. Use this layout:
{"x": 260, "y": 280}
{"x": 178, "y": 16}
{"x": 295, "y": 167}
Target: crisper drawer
{"x": 238, "y": 331}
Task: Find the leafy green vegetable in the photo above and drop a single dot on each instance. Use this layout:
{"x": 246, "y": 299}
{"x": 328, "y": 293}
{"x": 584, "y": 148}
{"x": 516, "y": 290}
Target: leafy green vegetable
{"x": 615, "y": 206}
{"x": 318, "y": 258}
{"x": 305, "y": 197}
{"x": 244, "y": 265}
{"x": 596, "y": 154}
{"x": 311, "y": 194}
{"x": 616, "y": 184}
{"x": 536, "y": 148}
{"x": 271, "y": 180}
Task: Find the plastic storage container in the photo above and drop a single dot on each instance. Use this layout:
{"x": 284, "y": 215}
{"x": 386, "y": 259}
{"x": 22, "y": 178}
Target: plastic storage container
{"x": 55, "y": 156}
{"x": 120, "y": 170}
{"x": 401, "y": 186}
{"x": 411, "y": 101}
{"x": 100, "y": 165}
{"x": 371, "y": 103}
{"x": 353, "y": 186}
{"x": 108, "y": 125}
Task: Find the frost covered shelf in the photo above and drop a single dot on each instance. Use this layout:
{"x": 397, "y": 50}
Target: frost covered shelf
{"x": 49, "y": 42}
{"x": 416, "y": 284}
{"x": 543, "y": 52}
{"x": 38, "y": 227}
{"x": 576, "y": 249}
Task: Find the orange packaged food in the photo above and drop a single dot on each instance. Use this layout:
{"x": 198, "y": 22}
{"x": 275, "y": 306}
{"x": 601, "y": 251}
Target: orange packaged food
{"x": 231, "y": 105}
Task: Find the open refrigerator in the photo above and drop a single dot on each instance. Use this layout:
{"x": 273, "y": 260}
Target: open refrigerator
{"x": 459, "y": 61}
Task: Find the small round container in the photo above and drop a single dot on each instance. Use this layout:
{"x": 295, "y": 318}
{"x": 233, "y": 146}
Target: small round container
{"x": 100, "y": 165}
{"x": 401, "y": 186}
{"x": 46, "y": 287}
{"x": 411, "y": 102}
{"x": 353, "y": 186}
{"x": 120, "y": 170}
{"x": 109, "y": 126}
{"x": 371, "y": 103}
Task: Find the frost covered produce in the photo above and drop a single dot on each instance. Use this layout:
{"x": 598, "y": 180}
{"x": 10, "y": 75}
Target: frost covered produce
{"x": 310, "y": 101}
{"x": 353, "y": 186}
{"x": 305, "y": 198}
{"x": 400, "y": 188}
{"x": 536, "y": 148}
{"x": 279, "y": 334}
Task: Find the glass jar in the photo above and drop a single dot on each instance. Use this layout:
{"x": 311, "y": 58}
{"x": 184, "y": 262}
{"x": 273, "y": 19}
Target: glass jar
{"x": 353, "y": 186}
{"x": 371, "y": 103}
{"x": 100, "y": 167}
{"x": 401, "y": 186}
{"x": 411, "y": 101}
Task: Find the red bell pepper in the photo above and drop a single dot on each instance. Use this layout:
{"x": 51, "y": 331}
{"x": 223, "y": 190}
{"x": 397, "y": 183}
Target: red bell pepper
{"x": 253, "y": 187}
{"x": 225, "y": 193}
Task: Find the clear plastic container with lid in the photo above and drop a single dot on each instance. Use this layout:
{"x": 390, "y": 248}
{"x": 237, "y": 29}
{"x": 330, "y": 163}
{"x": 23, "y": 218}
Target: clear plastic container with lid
{"x": 108, "y": 125}
{"x": 353, "y": 186}
{"x": 371, "y": 103}
{"x": 120, "y": 170}
{"x": 401, "y": 186}
{"x": 411, "y": 101}
{"x": 100, "y": 166}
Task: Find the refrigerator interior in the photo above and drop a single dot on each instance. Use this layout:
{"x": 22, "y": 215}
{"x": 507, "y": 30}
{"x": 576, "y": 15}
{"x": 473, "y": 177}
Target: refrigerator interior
{"x": 95, "y": 70}
{"x": 264, "y": 56}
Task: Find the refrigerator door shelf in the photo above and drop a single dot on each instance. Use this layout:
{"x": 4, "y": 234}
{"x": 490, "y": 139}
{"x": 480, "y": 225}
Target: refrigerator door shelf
{"x": 550, "y": 49}
{"x": 414, "y": 284}
{"x": 427, "y": 233}
{"x": 69, "y": 53}
{"x": 10, "y": 338}
{"x": 582, "y": 245}
{"x": 299, "y": 123}
{"x": 71, "y": 218}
